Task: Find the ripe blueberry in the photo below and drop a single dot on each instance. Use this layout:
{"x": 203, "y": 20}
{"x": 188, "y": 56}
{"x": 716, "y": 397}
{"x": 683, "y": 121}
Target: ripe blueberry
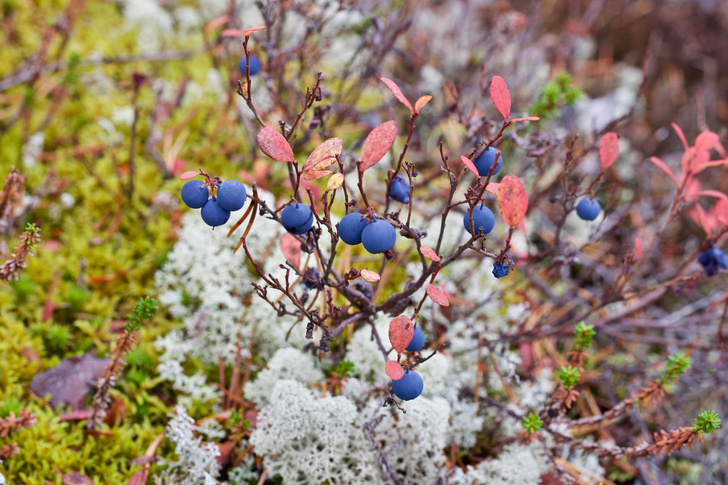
{"x": 409, "y": 386}
{"x": 418, "y": 340}
{"x": 231, "y": 195}
{"x": 255, "y": 65}
{"x": 712, "y": 260}
{"x": 195, "y": 194}
{"x": 379, "y": 236}
{"x": 483, "y": 219}
{"x": 400, "y": 189}
{"x": 351, "y": 227}
{"x": 311, "y": 278}
{"x": 297, "y": 218}
{"x": 588, "y": 209}
{"x": 485, "y": 161}
{"x": 213, "y": 214}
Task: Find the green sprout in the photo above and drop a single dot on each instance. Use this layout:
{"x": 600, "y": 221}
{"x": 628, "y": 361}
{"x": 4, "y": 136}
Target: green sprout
{"x": 345, "y": 368}
{"x": 569, "y": 376}
{"x": 676, "y": 366}
{"x": 144, "y": 310}
{"x": 532, "y": 423}
{"x": 583, "y": 336}
{"x": 555, "y": 95}
{"x": 707, "y": 422}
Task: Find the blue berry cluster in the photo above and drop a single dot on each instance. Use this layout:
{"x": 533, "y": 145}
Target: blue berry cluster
{"x": 231, "y": 196}
{"x": 712, "y": 260}
{"x": 378, "y": 236}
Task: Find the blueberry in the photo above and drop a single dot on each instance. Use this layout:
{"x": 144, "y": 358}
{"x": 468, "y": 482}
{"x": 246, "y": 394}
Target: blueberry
{"x": 351, "y": 227}
{"x": 500, "y": 270}
{"x": 311, "y": 278}
{"x": 255, "y": 65}
{"x": 297, "y": 218}
{"x": 483, "y": 219}
{"x": 712, "y": 260}
{"x": 213, "y": 214}
{"x": 588, "y": 209}
{"x": 195, "y": 194}
{"x": 485, "y": 161}
{"x": 231, "y": 195}
{"x": 409, "y": 386}
{"x": 418, "y": 340}
{"x": 379, "y": 236}
{"x": 400, "y": 189}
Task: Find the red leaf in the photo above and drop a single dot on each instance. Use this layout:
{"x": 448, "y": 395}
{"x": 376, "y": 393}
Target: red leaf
{"x": 189, "y": 175}
{"x": 699, "y": 216}
{"x": 706, "y": 140}
{"x": 215, "y": 23}
{"x": 76, "y": 478}
{"x": 394, "y": 370}
{"x": 493, "y": 188}
{"x": 501, "y": 96}
{"x": 397, "y": 93}
{"x": 608, "y": 149}
{"x": 275, "y": 145}
{"x": 721, "y": 211}
{"x": 664, "y": 168}
{"x": 377, "y": 144}
{"x": 712, "y": 193}
{"x": 370, "y": 276}
{"x": 638, "y": 247}
{"x": 316, "y": 174}
{"x": 324, "y": 155}
{"x": 401, "y": 331}
{"x": 75, "y": 415}
{"x": 715, "y": 163}
{"x": 512, "y": 199}
{"x": 140, "y": 477}
{"x": 420, "y": 103}
{"x": 437, "y": 295}
{"x": 468, "y": 163}
{"x": 429, "y": 253}
{"x": 527, "y": 118}
{"x": 291, "y": 248}
{"x": 680, "y": 135}
{"x": 249, "y": 31}
{"x": 70, "y": 381}
{"x": 232, "y": 33}
{"x": 687, "y": 159}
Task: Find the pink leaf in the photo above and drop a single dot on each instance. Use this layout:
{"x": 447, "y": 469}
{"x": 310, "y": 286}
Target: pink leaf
{"x": 397, "y": 93}
{"x": 401, "y": 332}
{"x": 215, "y": 23}
{"x": 493, "y": 188}
{"x": 249, "y": 31}
{"x": 706, "y": 140}
{"x": 429, "y": 253}
{"x": 324, "y": 155}
{"x": 699, "y": 216}
{"x": 468, "y": 163}
{"x": 527, "y": 118}
{"x": 394, "y": 370}
{"x": 316, "y": 174}
{"x": 712, "y": 193}
{"x": 687, "y": 159}
{"x": 275, "y": 145}
{"x": 291, "y": 249}
{"x": 232, "y": 33}
{"x": 437, "y": 295}
{"x": 189, "y": 175}
{"x": 140, "y": 477}
{"x": 512, "y": 199}
{"x": 377, "y": 144}
{"x": 370, "y": 276}
{"x": 608, "y": 149}
{"x": 420, "y": 103}
{"x": 715, "y": 163}
{"x": 638, "y": 247}
{"x": 680, "y": 135}
{"x": 664, "y": 168}
{"x": 721, "y": 211}
{"x": 75, "y": 415}
{"x": 501, "y": 96}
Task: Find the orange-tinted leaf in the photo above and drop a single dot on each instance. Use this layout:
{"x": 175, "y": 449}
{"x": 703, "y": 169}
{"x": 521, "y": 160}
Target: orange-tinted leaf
{"x": 527, "y": 118}
{"x": 394, "y": 370}
{"x": 232, "y": 33}
{"x": 501, "y": 96}
{"x": 336, "y": 181}
{"x": 249, "y": 31}
{"x": 608, "y": 149}
{"x": 189, "y": 175}
{"x": 420, "y": 103}
{"x": 370, "y": 276}
{"x": 680, "y": 135}
{"x": 401, "y": 332}
{"x": 275, "y": 145}
{"x": 378, "y": 143}
{"x": 664, "y": 167}
{"x": 317, "y": 174}
{"x": 468, "y": 163}
{"x": 215, "y": 23}
{"x": 324, "y": 155}
{"x": 437, "y": 295}
{"x": 638, "y": 247}
{"x": 512, "y": 199}
{"x": 291, "y": 249}
{"x": 706, "y": 140}
{"x": 429, "y": 253}
{"x": 397, "y": 93}
{"x": 493, "y": 188}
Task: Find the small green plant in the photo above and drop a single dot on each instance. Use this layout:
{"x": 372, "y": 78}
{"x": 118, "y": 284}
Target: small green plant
{"x": 532, "y": 423}
{"x": 555, "y": 95}
{"x": 707, "y": 422}
{"x": 345, "y": 368}
{"x": 144, "y": 309}
{"x": 583, "y": 336}
{"x": 569, "y": 376}
{"x": 677, "y": 364}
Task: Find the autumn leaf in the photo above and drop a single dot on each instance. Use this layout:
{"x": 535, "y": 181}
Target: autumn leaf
{"x": 324, "y": 155}
{"x": 275, "y": 145}
{"x": 394, "y": 370}
{"x": 249, "y": 31}
{"x": 420, "y": 103}
{"x": 291, "y": 249}
{"x": 71, "y": 381}
{"x": 500, "y": 96}
{"x": 608, "y": 149}
{"x": 377, "y": 144}
{"x": 317, "y": 174}
{"x": 397, "y": 93}
{"x": 401, "y": 332}
{"x": 336, "y": 181}
{"x": 468, "y": 163}
{"x": 429, "y": 253}
{"x": 664, "y": 168}
{"x": 437, "y": 295}
{"x": 189, "y": 175}
{"x": 370, "y": 276}
{"x": 512, "y": 199}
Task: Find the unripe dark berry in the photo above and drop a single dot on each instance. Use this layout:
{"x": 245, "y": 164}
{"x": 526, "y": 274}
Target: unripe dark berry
{"x": 588, "y": 209}
{"x": 379, "y": 236}
{"x": 255, "y": 65}
{"x": 213, "y": 214}
{"x": 483, "y": 219}
{"x": 297, "y": 218}
{"x": 195, "y": 194}
{"x": 231, "y": 195}
{"x": 409, "y": 386}
{"x": 500, "y": 270}
{"x": 351, "y": 227}
{"x": 485, "y": 161}
{"x": 399, "y": 190}
{"x": 418, "y": 340}
{"x": 712, "y": 260}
